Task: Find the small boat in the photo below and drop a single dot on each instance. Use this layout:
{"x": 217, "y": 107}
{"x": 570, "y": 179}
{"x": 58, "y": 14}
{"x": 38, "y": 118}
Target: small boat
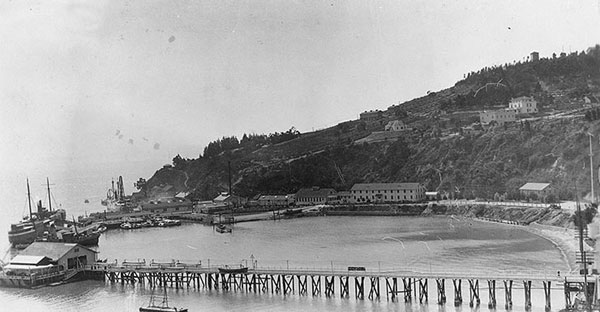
{"x": 233, "y": 270}
{"x": 163, "y": 307}
{"x": 129, "y": 225}
{"x": 222, "y": 228}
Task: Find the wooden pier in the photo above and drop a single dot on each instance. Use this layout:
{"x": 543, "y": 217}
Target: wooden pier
{"x": 393, "y": 285}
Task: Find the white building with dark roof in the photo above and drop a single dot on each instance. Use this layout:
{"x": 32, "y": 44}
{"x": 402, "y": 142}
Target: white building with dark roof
{"x": 387, "y": 192}
{"x": 396, "y": 125}
{"x": 540, "y": 189}
{"x": 523, "y": 105}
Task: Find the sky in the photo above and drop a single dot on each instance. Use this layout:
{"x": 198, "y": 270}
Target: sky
{"x": 100, "y": 81}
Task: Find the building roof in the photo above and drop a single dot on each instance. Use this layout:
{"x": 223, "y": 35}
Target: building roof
{"x": 273, "y": 197}
{"x": 182, "y": 194}
{"x": 170, "y": 202}
{"x": 534, "y": 186}
{"x": 29, "y": 260}
{"x": 312, "y": 192}
{"x": 11, "y": 266}
{"x": 226, "y": 197}
{"x": 51, "y": 250}
{"x": 386, "y": 186}
{"x": 522, "y": 98}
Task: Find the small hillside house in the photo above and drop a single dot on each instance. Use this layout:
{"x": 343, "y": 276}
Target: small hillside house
{"x": 539, "y": 189}
{"x": 395, "y": 125}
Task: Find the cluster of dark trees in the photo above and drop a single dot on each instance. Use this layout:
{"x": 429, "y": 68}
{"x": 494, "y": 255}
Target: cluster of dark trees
{"x": 586, "y": 215}
{"x": 592, "y": 114}
{"x": 249, "y": 141}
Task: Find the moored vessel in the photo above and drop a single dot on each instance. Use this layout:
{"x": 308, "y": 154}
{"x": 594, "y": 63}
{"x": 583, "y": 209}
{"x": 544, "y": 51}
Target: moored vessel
{"x": 36, "y": 223}
{"x": 162, "y": 307}
{"x": 233, "y": 270}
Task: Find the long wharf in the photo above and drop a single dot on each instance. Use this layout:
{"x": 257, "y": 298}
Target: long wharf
{"x": 356, "y": 282}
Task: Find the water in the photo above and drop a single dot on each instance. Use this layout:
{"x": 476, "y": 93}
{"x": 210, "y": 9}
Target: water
{"x": 378, "y": 243}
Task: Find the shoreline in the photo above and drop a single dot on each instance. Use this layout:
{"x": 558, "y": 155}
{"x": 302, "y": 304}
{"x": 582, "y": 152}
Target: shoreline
{"x": 562, "y": 238}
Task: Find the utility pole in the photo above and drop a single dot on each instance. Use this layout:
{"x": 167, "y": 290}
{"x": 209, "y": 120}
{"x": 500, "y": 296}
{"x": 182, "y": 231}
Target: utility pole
{"x": 592, "y": 170}
{"x": 582, "y": 252}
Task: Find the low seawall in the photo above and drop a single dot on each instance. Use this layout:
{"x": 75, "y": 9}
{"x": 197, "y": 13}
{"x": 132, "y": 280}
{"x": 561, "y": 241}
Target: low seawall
{"x": 502, "y": 214}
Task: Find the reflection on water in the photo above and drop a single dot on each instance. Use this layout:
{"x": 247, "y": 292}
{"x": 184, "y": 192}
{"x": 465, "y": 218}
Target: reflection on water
{"x": 437, "y": 244}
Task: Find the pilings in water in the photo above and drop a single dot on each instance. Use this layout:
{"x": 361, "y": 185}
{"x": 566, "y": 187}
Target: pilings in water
{"x": 334, "y": 284}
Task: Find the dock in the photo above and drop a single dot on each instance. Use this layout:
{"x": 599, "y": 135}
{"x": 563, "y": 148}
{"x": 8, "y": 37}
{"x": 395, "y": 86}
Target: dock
{"x": 356, "y": 282}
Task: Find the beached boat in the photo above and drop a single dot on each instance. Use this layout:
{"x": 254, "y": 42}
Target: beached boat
{"x": 233, "y": 270}
{"x": 162, "y": 307}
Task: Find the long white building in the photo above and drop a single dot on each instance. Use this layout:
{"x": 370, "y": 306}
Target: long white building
{"x": 387, "y": 192}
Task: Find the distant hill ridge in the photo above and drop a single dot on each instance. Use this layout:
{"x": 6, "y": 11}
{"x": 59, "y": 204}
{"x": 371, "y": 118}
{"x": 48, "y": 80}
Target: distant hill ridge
{"x": 436, "y": 152}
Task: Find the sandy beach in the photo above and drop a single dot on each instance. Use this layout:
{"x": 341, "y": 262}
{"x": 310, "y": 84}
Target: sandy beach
{"x": 564, "y": 239}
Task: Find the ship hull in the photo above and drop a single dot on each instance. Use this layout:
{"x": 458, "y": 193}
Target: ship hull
{"x": 22, "y": 238}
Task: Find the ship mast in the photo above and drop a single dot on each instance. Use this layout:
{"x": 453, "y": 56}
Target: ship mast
{"x": 29, "y": 199}
{"x": 49, "y": 199}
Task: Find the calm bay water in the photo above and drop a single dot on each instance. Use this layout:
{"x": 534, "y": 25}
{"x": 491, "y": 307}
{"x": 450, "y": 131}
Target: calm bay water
{"x": 379, "y": 243}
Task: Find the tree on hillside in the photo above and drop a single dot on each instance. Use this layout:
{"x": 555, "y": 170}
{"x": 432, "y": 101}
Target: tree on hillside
{"x": 179, "y": 163}
{"x": 587, "y": 214}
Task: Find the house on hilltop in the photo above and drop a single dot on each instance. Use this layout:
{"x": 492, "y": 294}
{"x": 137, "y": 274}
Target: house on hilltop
{"x": 387, "y": 192}
{"x": 396, "y": 125}
{"x": 372, "y": 115}
{"x": 534, "y": 56}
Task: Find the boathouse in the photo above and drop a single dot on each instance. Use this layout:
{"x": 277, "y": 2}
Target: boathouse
{"x": 387, "y": 192}
{"x": 42, "y": 263}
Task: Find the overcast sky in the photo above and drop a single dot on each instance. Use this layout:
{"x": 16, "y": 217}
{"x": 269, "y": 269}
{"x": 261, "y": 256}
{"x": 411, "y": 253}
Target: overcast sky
{"x": 91, "y": 81}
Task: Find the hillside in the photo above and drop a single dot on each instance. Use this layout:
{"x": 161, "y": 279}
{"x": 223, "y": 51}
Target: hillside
{"x": 549, "y": 147}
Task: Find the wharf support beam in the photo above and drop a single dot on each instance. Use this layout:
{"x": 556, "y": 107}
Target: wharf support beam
{"x": 360, "y": 285}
